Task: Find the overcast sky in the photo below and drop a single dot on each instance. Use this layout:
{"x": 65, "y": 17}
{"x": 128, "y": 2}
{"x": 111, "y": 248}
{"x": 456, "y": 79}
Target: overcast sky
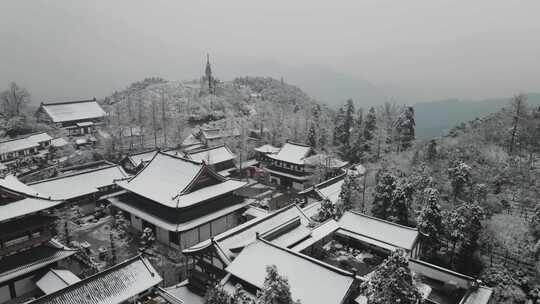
{"x": 68, "y": 49}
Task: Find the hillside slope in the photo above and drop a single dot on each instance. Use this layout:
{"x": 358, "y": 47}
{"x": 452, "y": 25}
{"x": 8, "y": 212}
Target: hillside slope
{"x": 166, "y": 111}
{"x": 436, "y": 118}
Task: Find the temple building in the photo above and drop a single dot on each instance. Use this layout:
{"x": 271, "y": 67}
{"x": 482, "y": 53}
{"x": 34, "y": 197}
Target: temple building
{"x": 344, "y": 252}
{"x": 182, "y": 201}
{"x": 27, "y": 248}
{"x": 219, "y": 158}
{"x": 85, "y": 187}
{"x": 28, "y": 145}
{"x": 126, "y": 282}
{"x": 295, "y": 165}
{"x": 311, "y": 281}
{"x": 77, "y": 117}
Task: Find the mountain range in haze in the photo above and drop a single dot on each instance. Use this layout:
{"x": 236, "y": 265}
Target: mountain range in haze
{"x": 433, "y": 118}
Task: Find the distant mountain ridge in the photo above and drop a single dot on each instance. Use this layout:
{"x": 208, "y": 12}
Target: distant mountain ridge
{"x": 435, "y": 118}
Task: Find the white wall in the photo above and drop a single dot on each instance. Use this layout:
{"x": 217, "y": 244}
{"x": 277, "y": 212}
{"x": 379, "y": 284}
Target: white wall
{"x": 190, "y": 238}
{"x": 25, "y": 285}
{"x": 204, "y": 232}
{"x": 219, "y": 225}
{"x": 162, "y": 235}
{"x": 4, "y": 294}
{"x": 136, "y": 222}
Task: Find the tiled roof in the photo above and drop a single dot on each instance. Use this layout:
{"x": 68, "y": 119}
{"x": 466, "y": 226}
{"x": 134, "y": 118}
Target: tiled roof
{"x": 30, "y": 200}
{"x": 267, "y": 149}
{"x": 73, "y": 110}
{"x": 166, "y": 178}
{"x": 210, "y": 133}
{"x": 211, "y": 156}
{"x": 19, "y": 264}
{"x": 229, "y": 242}
{"x": 79, "y": 184}
{"x": 292, "y": 153}
{"x": 311, "y": 281}
{"x": 325, "y": 160}
{"x": 379, "y": 230}
{"x": 23, "y": 142}
{"x": 112, "y": 286}
{"x": 56, "y": 279}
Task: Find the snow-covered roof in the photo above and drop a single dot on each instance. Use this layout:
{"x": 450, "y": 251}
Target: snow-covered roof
{"x": 79, "y": 184}
{"x": 482, "y": 295}
{"x": 255, "y": 212}
{"x": 325, "y": 160}
{"x": 13, "y": 184}
{"x": 59, "y": 142}
{"x": 181, "y": 292}
{"x": 111, "y": 286}
{"x": 311, "y": 281}
{"x": 433, "y": 273}
{"x": 141, "y": 157}
{"x": 31, "y": 200}
{"x": 14, "y": 266}
{"x": 211, "y": 156}
{"x": 191, "y": 140}
{"x": 23, "y": 142}
{"x": 379, "y": 230}
{"x": 166, "y": 179}
{"x": 318, "y": 233}
{"x": 332, "y": 191}
{"x": 174, "y": 226}
{"x": 267, "y": 149}
{"x": 214, "y": 133}
{"x": 24, "y": 207}
{"x": 56, "y": 279}
{"x": 293, "y": 153}
{"x": 73, "y": 110}
{"x": 231, "y": 241}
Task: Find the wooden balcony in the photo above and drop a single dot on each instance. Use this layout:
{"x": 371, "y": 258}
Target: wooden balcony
{"x": 26, "y": 242}
{"x": 25, "y": 233}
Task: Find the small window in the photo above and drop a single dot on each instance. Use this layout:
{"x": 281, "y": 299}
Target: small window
{"x": 174, "y": 237}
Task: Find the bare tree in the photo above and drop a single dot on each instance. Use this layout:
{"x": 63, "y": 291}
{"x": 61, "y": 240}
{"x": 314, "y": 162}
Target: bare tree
{"x": 163, "y": 116}
{"x": 14, "y": 100}
{"x": 154, "y": 123}
{"x": 519, "y": 109}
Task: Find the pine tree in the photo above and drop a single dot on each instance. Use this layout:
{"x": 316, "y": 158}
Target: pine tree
{"x": 351, "y": 191}
{"x": 431, "y": 150}
{"x": 405, "y": 129}
{"x": 349, "y": 122}
{"x": 357, "y": 142}
{"x": 519, "y": 109}
{"x": 312, "y": 135}
{"x": 314, "y": 127}
{"x": 454, "y": 226}
{"x": 460, "y": 177}
{"x": 383, "y": 195}
{"x": 473, "y": 215}
{"x": 370, "y": 130}
{"x": 276, "y": 289}
{"x": 326, "y": 211}
{"x": 392, "y": 282}
{"x": 430, "y": 223}
{"x": 240, "y": 296}
{"x": 370, "y": 124}
{"x": 339, "y": 127}
{"x": 216, "y": 295}
{"x": 398, "y": 211}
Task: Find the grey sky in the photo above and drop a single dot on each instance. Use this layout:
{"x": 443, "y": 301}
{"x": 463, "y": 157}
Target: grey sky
{"x": 67, "y": 49}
